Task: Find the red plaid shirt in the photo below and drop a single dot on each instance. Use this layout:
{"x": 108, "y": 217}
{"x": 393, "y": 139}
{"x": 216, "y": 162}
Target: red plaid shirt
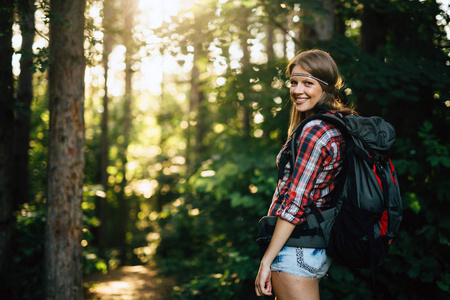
{"x": 319, "y": 160}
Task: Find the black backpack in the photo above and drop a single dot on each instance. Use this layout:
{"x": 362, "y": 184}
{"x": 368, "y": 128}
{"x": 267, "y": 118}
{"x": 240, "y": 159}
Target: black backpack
{"x": 366, "y": 208}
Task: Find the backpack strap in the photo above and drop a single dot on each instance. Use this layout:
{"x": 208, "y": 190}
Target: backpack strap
{"x": 321, "y": 114}
{"x": 319, "y": 218}
{"x": 284, "y": 159}
{"x": 338, "y": 122}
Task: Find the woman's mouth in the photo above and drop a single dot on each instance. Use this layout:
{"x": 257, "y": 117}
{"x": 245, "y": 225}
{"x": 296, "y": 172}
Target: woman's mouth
{"x": 300, "y": 100}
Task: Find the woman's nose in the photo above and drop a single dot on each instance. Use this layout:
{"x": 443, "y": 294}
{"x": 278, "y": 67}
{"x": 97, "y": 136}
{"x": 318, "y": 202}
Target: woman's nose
{"x": 298, "y": 89}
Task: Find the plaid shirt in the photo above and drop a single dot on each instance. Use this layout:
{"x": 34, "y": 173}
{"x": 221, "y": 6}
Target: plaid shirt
{"x": 319, "y": 160}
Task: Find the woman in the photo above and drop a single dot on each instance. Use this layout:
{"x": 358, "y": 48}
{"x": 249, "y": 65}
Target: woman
{"x": 294, "y": 272}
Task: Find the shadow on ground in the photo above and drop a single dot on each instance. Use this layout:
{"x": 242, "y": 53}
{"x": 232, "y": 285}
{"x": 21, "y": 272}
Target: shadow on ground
{"x": 128, "y": 282}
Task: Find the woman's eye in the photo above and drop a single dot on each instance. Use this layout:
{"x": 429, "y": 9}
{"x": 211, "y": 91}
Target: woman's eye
{"x": 293, "y": 82}
{"x": 308, "y": 83}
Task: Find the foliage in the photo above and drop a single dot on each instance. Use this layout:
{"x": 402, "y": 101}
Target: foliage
{"x": 201, "y": 223}
{"x": 28, "y": 258}
{"x": 214, "y": 247}
{"x": 39, "y": 143}
{"x": 207, "y": 237}
{"x": 28, "y": 235}
{"x": 91, "y": 260}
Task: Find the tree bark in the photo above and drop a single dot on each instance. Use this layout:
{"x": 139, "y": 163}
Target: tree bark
{"x": 6, "y": 138}
{"x": 63, "y": 232}
{"x": 21, "y": 189}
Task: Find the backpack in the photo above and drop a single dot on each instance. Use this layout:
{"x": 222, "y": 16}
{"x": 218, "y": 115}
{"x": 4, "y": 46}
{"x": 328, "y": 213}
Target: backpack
{"x": 365, "y": 209}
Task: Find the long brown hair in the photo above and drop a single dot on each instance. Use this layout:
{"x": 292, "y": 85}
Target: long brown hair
{"x": 319, "y": 64}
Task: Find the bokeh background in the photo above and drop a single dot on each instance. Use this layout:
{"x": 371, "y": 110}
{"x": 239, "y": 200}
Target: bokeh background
{"x": 186, "y": 108}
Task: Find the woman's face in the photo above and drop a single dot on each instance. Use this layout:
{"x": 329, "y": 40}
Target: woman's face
{"x": 305, "y": 92}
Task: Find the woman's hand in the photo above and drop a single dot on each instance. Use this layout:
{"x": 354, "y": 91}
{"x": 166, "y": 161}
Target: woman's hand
{"x": 263, "y": 284}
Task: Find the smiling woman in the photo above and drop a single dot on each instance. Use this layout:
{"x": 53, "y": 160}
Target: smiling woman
{"x": 295, "y": 272}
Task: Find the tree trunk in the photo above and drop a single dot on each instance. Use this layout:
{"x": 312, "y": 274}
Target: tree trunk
{"x": 192, "y": 115}
{"x": 340, "y": 19}
{"x": 22, "y": 122}
{"x": 270, "y": 42}
{"x": 196, "y": 113}
{"x": 245, "y": 63}
{"x": 201, "y": 123}
{"x": 198, "y": 98}
{"x": 124, "y": 206}
{"x": 373, "y": 36}
{"x": 63, "y": 232}
{"x": 285, "y": 43}
{"x": 101, "y": 205}
{"x": 326, "y": 22}
{"x": 6, "y": 138}
{"x": 317, "y": 25}
{"x": 373, "y": 29}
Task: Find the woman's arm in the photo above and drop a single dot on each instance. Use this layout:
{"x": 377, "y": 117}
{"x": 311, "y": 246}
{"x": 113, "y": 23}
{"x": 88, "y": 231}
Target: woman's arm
{"x": 315, "y": 144}
{"x": 312, "y": 152}
{"x": 283, "y": 230}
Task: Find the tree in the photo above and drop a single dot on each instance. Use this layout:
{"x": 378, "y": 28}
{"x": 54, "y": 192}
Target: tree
{"x": 6, "y": 135}
{"x": 101, "y": 206}
{"x": 63, "y": 230}
{"x": 374, "y": 27}
{"x": 400, "y": 73}
{"x": 270, "y": 41}
{"x": 245, "y": 63}
{"x": 197, "y": 103}
{"x": 123, "y": 199}
{"x": 198, "y": 38}
{"x": 317, "y": 22}
{"x": 26, "y": 10}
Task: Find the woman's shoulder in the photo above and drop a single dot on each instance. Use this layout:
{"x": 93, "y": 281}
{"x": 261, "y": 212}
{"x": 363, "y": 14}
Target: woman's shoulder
{"x": 319, "y": 125}
{"x": 320, "y": 129}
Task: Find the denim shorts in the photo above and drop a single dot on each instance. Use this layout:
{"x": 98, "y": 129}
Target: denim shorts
{"x": 302, "y": 262}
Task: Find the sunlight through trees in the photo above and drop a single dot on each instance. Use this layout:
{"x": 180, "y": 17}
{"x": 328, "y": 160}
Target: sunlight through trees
{"x": 184, "y": 107}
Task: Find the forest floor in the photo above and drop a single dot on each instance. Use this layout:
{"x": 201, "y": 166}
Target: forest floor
{"x": 128, "y": 282}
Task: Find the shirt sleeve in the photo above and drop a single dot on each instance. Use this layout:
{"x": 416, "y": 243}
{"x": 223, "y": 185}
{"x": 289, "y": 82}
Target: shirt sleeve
{"x": 313, "y": 152}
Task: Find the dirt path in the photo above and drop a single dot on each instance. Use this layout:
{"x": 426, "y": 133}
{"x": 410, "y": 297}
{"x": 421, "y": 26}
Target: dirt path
{"x": 129, "y": 282}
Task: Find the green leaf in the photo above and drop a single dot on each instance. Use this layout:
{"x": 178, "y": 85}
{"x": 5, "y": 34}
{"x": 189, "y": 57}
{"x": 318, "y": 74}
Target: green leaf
{"x": 445, "y": 161}
{"x": 443, "y": 286}
{"x": 436, "y": 160}
{"x": 427, "y": 126}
